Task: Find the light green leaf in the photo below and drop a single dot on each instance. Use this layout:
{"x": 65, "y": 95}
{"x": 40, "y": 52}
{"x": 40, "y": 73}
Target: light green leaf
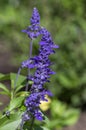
{"x": 53, "y": 123}
{"x": 13, "y": 125}
{"x": 1, "y": 75}
{"x": 18, "y": 88}
{"x": 70, "y": 117}
{"x": 10, "y": 123}
{"x": 22, "y": 93}
{"x": 20, "y": 79}
{"x": 16, "y": 102}
{"x": 2, "y": 86}
{"x": 12, "y": 76}
{"x": 4, "y": 93}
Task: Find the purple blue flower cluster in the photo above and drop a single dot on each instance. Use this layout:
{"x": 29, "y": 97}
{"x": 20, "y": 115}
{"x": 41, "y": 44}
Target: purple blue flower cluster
{"x": 33, "y": 31}
{"x": 42, "y": 65}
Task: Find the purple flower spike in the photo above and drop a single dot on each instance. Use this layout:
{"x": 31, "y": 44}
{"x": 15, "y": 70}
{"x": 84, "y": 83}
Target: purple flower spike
{"x": 35, "y": 19}
{"x": 42, "y": 64}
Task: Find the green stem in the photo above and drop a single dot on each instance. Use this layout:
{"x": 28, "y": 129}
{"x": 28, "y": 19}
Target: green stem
{"x": 32, "y": 123}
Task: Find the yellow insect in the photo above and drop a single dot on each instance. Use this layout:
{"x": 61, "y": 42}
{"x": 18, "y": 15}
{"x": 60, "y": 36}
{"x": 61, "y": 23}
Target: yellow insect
{"x": 44, "y": 106}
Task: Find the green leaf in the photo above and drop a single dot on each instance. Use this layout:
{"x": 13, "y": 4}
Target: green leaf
{"x": 13, "y": 125}
{"x": 5, "y": 90}
{"x": 40, "y": 128}
{"x": 1, "y": 75}
{"x": 12, "y": 76}
{"x": 53, "y": 123}
{"x": 44, "y": 128}
{"x": 4, "y": 93}
{"x": 46, "y": 120}
{"x": 20, "y": 86}
{"x": 22, "y": 93}
{"x": 4, "y": 77}
{"x": 15, "y": 103}
{"x": 57, "y": 108}
{"x": 70, "y": 117}
{"x": 10, "y": 123}
{"x": 64, "y": 80}
{"x": 21, "y": 80}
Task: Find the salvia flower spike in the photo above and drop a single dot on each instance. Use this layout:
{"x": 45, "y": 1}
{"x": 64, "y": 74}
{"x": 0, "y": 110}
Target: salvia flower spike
{"x": 42, "y": 65}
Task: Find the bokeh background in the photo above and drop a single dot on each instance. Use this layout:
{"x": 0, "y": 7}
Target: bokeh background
{"x": 66, "y": 20}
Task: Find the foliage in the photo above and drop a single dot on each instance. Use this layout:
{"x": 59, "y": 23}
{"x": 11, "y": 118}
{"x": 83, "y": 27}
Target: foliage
{"x": 59, "y": 117}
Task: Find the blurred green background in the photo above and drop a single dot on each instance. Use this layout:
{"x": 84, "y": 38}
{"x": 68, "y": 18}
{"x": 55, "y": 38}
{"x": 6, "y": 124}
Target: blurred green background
{"x": 66, "y": 20}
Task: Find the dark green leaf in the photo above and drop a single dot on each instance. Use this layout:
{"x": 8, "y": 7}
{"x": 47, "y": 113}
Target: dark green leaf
{"x": 40, "y": 128}
{"x": 20, "y": 86}
{"x": 4, "y": 77}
